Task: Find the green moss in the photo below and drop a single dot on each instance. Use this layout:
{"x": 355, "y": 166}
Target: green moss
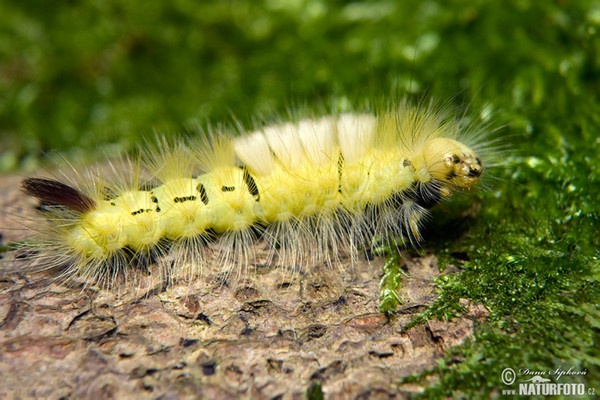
{"x": 314, "y": 391}
{"x": 79, "y": 75}
{"x": 391, "y": 282}
{"x": 533, "y": 250}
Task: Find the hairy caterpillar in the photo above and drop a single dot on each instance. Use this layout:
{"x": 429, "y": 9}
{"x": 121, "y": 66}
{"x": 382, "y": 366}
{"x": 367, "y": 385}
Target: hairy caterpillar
{"x": 310, "y": 190}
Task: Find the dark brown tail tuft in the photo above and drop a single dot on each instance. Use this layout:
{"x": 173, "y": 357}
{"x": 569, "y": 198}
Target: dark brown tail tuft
{"x": 52, "y": 192}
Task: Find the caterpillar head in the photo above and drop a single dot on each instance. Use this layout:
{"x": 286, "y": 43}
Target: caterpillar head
{"x": 453, "y": 163}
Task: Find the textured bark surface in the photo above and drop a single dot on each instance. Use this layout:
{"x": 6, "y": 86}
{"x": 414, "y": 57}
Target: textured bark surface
{"x": 266, "y": 335}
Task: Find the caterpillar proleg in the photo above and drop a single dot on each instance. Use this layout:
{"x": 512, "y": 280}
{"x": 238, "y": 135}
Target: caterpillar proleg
{"x": 309, "y": 190}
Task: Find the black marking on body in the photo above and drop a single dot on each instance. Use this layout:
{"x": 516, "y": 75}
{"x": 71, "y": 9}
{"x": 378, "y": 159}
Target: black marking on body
{"x": 455, "y": 159}
{"x": 251, "y": 184}
{"x": 451, "y": 175}
{"x": 142, "y": 210}
{"x": 183, "y": 199}
{"x": 227, "y": 188}
{"x": 340, "y": 168}
{"x": 51, "y": 192}
{"x": 202, "y": 190}
{"x": 406, "y": 163}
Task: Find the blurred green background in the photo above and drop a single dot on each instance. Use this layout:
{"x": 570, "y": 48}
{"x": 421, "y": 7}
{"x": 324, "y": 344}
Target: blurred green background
{"x": 74, "y": 75}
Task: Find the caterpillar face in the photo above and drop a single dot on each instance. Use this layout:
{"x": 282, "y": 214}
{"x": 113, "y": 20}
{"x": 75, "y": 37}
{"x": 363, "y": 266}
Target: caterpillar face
{"x": 452, "y": 162}
{"x": 317, "y": 187}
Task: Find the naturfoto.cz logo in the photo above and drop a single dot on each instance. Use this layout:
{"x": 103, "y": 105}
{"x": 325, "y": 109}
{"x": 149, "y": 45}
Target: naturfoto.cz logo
{"x": 544, "y": 383}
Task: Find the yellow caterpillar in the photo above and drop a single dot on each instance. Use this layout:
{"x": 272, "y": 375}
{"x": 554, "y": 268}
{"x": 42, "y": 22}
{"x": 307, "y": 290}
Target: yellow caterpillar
{"x": 311, "y": 190}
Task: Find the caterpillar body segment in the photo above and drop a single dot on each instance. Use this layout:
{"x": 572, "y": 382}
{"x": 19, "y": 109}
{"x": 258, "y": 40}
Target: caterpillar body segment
{"x": 311, "y": 190}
